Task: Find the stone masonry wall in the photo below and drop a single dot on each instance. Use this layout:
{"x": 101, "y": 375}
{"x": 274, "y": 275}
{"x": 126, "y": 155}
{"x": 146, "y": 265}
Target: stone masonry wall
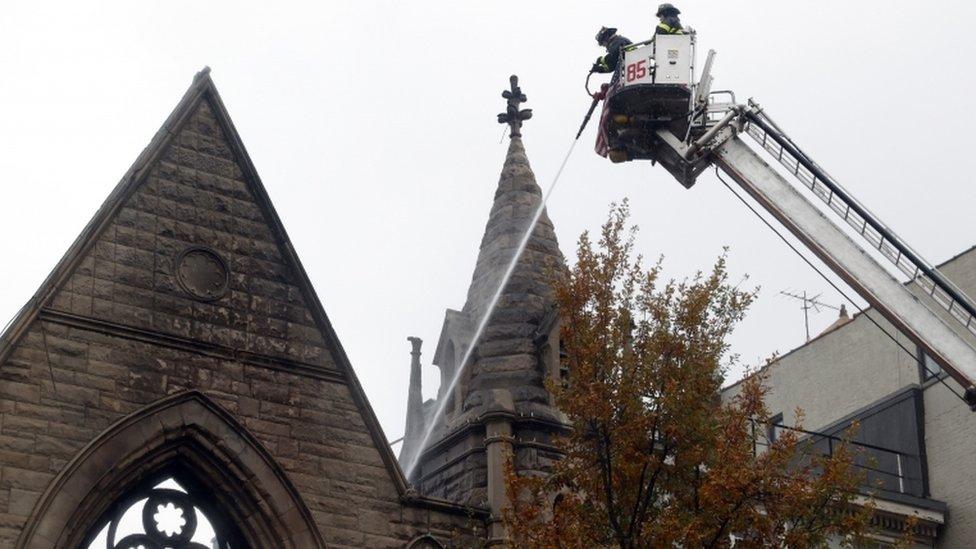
{"x": 122, "y": 334}
{"x": 196, "y": 195}
{"x": 506, "y": 356}
{"x": 311, "y": 427}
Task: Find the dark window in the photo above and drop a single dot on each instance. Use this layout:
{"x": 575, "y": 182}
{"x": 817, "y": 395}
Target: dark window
{"x": 556, "y": 502}
{"x": 563, "y": 365}
{"x": 874, "y": 544}
{"x": 927, "y": 367}
{"x": 447, "y": 376}
{"x": 773, "y": 428}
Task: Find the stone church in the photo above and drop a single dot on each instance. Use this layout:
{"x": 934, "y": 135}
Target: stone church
{"x": 175, "y": 381}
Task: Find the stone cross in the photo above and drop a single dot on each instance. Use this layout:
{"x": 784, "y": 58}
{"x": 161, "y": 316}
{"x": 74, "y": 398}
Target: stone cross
{"x": 512, "y": 115}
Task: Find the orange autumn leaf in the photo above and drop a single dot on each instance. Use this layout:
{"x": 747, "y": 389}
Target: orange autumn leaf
{"x": 656, "y": 458}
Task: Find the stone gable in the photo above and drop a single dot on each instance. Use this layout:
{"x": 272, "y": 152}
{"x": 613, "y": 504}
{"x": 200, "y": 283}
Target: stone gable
{"x": 139, "y": 311}
{"x": 196, "y": 195}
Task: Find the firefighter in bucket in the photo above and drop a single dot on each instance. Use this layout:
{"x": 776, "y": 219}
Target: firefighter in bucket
{"x": 650, "y": 88}
{"x": 614, "y": 43}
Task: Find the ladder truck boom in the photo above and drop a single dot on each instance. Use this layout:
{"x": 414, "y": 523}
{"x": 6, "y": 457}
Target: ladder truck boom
{"x": 656, "y": 111}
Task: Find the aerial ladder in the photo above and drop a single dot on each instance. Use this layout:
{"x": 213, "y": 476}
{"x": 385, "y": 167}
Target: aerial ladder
{"x": 656, "y": 110}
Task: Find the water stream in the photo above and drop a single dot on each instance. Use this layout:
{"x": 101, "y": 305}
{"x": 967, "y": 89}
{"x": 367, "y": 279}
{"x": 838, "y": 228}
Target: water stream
{"x": 431, "y": 425}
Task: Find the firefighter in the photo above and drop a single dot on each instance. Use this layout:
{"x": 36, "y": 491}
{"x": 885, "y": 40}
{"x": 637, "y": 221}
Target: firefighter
{"x": 608, "y": 38}
{"x": 669, "y": 23}
{"x": 615, "y": 44}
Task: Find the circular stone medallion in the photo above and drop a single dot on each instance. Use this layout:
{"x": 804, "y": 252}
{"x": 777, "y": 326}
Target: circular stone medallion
{"x": 202, "y": 273}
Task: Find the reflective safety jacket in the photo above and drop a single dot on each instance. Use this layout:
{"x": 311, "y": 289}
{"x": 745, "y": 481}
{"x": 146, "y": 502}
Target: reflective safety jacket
{"x": 669, "y": 25}
{"x": 608, "y": 63}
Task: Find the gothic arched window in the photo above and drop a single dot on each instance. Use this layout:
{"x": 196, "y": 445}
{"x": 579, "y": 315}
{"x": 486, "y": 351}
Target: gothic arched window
{"x": 167, "y": 511}
{"x": 227, "y": 490}
{"x": 551, "y": 352}
{"x": 425, "y": 541}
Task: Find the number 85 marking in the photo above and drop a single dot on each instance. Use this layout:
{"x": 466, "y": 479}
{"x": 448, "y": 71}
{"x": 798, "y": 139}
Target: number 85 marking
{"x": 636, "y": 71}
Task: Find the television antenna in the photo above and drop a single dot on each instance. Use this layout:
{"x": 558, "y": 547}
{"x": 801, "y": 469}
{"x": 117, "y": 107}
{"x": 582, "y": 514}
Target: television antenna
{"x": 814, "y": 303}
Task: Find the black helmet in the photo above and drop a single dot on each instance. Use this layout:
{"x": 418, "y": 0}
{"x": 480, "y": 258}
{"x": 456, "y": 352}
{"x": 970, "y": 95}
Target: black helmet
{"x": 605, "y": 34}
{"x": 667, "y": 9}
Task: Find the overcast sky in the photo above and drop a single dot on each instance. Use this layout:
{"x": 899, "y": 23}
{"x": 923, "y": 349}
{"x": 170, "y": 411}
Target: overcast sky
{"x": 373, "y": 127}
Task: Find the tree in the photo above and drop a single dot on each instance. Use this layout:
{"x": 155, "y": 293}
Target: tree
{"x": 655, "y": 457}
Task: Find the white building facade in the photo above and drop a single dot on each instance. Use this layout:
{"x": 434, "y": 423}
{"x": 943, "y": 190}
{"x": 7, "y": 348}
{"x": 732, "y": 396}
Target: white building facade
{"x": 920, "y": 437}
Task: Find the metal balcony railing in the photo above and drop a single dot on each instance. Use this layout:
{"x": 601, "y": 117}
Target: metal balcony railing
{"x": 884, "y": 468}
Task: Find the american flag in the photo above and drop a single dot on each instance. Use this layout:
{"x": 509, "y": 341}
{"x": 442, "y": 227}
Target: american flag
{"x": 602, "y": 141}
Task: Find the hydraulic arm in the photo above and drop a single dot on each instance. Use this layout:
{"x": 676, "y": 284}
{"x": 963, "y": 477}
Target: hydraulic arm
{"x": 947, "y": 333}
{"x": 655, "y": 110}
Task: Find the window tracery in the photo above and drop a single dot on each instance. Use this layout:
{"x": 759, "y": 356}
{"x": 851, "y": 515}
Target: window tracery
{"x": 162, "y": 514}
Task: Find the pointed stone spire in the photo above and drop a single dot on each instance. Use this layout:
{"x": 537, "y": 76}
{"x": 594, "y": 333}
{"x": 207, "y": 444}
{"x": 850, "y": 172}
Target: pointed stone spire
{"x": 414, "y": 429}
{"x": 501, "y": 397}
{"x": 506, "y": 357}
{"x": 525, "y": 298}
